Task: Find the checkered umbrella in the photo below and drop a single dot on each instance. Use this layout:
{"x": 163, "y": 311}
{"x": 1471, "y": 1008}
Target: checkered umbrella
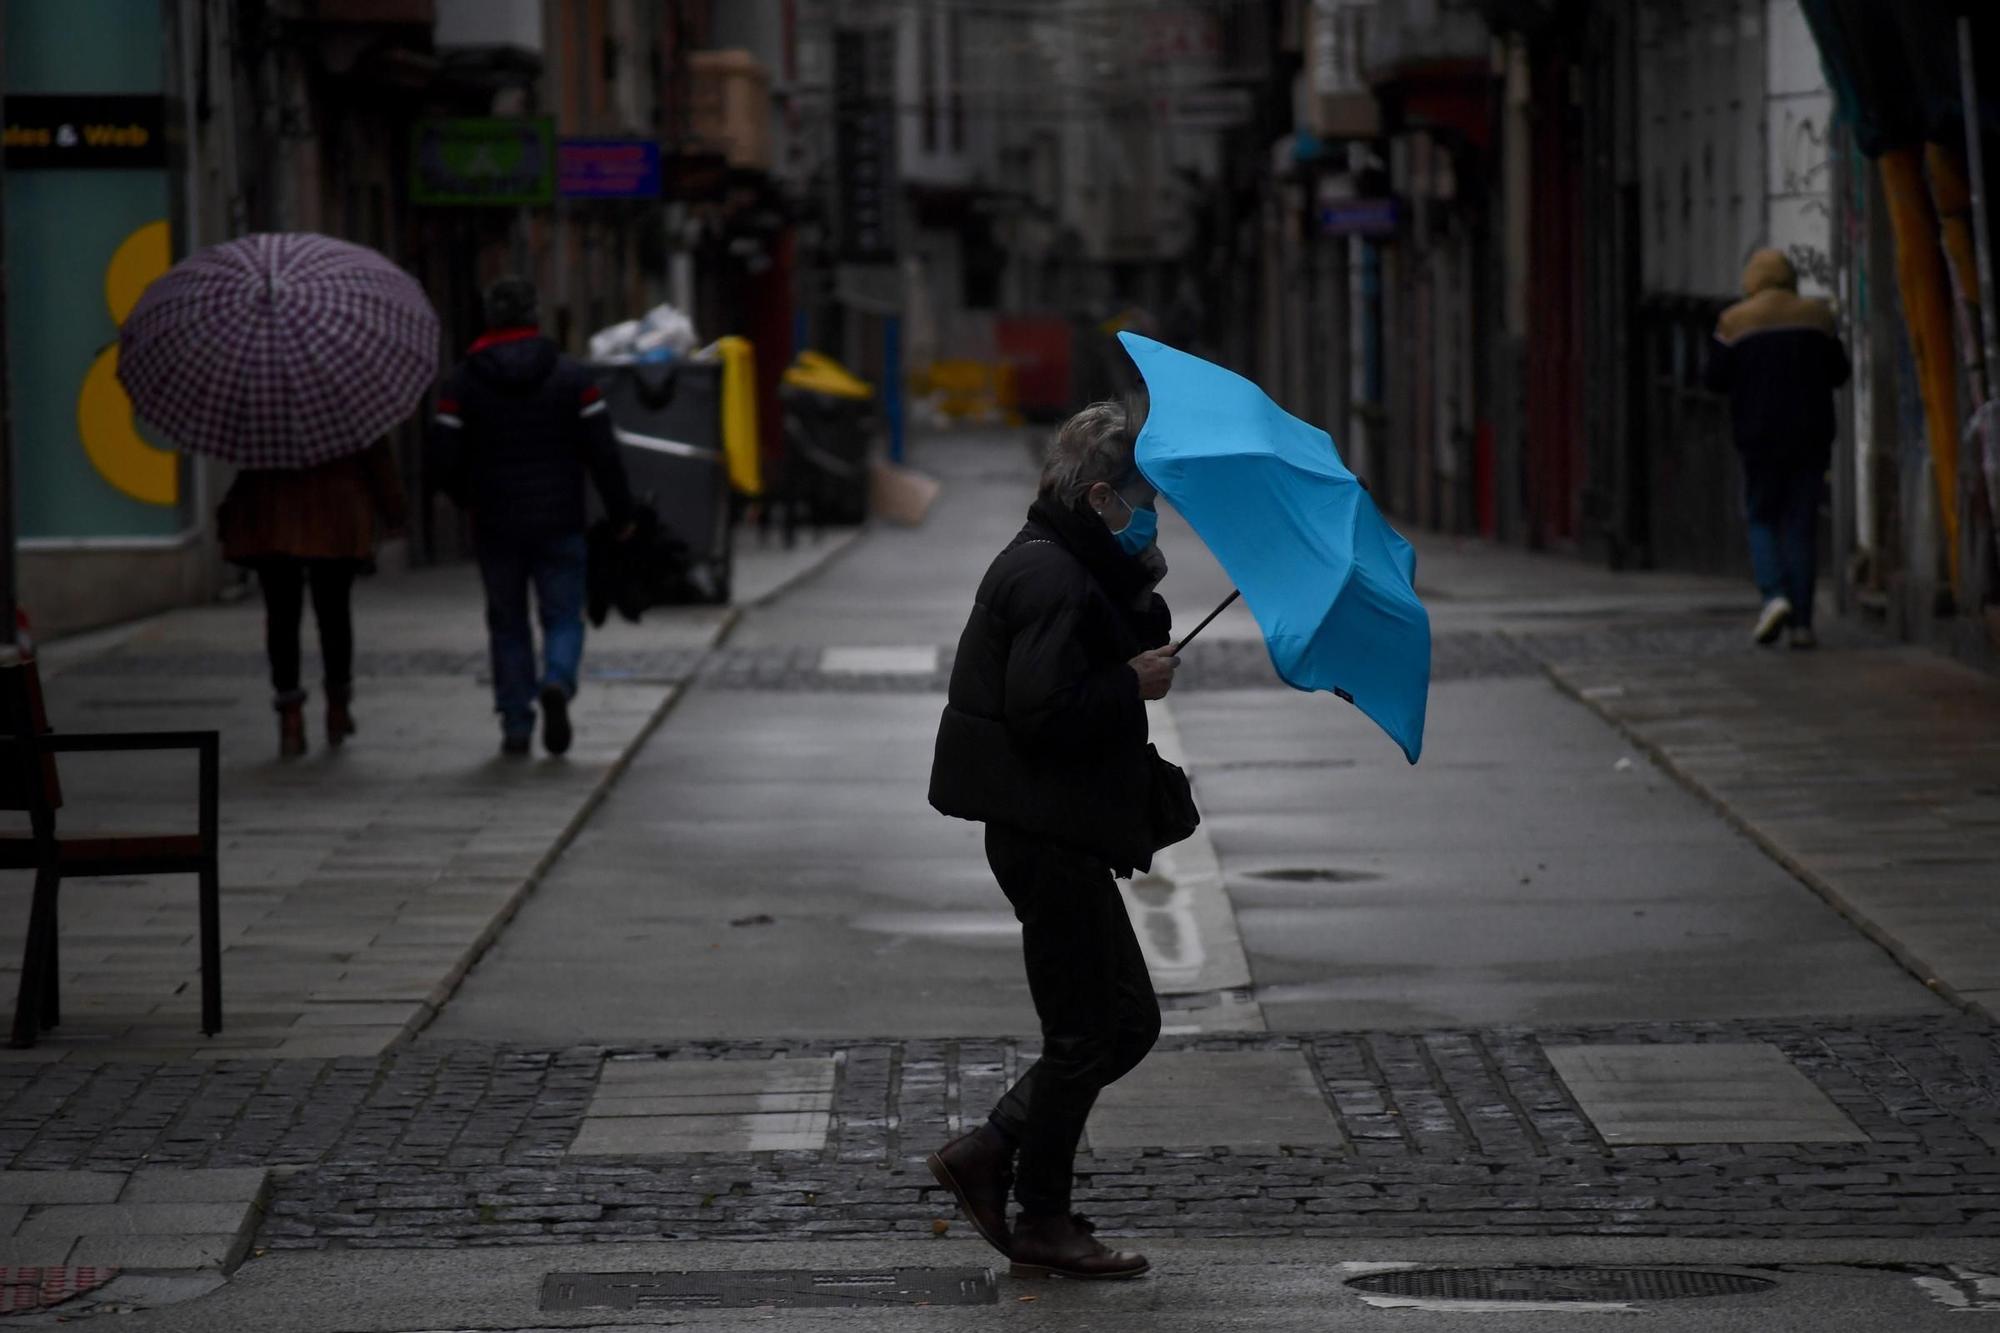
{"x": 281, "y": 350}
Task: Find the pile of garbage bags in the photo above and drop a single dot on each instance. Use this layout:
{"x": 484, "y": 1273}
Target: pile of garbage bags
{"x": 664, "y": 333}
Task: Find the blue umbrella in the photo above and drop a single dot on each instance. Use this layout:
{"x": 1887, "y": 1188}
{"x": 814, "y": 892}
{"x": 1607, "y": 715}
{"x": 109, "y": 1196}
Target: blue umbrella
{"x": 1328, "y": 580}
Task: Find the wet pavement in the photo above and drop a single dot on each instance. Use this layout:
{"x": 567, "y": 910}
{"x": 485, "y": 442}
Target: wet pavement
{"x": 1664, "y": 944}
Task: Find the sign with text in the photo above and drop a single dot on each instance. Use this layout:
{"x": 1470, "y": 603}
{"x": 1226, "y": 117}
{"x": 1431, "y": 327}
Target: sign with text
{"x": 864, "y": 111}
{"x": 71, "y": 131}
{"x": 608, "y": 169}
{"x": 492, "y": 161}
{"x": 1360, "y": 217}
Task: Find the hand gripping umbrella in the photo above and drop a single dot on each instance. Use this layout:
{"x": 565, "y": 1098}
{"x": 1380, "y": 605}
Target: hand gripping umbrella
{"x": 1328, "y": 580}
{"x": 280, "y": 350}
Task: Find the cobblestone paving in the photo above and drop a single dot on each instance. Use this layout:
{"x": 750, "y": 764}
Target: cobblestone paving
{"x": 1443, "y": 1133}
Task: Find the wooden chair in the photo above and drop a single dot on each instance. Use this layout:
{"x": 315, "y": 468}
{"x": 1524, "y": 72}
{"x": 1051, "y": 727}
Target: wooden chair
{"x": 28, "y": 782}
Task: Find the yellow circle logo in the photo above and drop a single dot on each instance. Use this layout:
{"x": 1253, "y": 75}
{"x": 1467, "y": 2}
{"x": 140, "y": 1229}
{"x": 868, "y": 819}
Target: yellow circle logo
{"x": 103, "y": 411}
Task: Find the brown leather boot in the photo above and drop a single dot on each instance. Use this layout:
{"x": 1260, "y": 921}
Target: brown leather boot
{"x": 1058, "y": 1246}
{"x": 339, "y": 720}
{"x": 291, "y": 728}
{"x": 979, "y": 1171}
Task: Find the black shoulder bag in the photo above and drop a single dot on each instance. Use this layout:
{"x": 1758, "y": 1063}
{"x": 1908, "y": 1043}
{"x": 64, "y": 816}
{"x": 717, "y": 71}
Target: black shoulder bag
{"x": 1170, "y": 804}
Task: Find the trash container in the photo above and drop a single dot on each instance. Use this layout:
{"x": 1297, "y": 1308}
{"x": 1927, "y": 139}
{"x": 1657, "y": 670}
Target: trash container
{"x": 668, "y": 418}
{"x": 829, "y": 422}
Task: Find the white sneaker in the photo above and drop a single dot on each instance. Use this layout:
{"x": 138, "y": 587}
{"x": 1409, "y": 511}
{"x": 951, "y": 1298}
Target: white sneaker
{"x": 1802, "y": 637}
{"x": 1772, "y": 621}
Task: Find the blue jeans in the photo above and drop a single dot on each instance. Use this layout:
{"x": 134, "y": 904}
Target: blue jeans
{"x": 555, "y": 566}
{"x": 1783, "y": 511}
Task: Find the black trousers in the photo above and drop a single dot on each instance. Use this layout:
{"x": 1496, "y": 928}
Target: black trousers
{"x": 1092, "y": 993}
{"x": 284, "y": 580}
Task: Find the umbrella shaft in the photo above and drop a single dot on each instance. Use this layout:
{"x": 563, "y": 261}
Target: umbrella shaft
{"x": 1234, "y": 594}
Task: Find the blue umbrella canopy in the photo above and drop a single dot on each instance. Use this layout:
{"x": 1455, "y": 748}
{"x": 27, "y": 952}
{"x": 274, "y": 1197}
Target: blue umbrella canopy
{"x": 1329, "y": 582}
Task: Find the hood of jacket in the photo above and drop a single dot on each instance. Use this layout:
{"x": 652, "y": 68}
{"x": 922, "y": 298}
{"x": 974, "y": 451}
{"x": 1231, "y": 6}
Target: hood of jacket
{"x": 1768, "y": 269}
{"x": 1772, "y": 302}
{"x": 513, "y": 360}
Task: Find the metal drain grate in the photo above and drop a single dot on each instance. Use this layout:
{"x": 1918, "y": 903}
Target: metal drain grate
{"x": 797, "y": 1288}
{"x": 1558, "y": 1284}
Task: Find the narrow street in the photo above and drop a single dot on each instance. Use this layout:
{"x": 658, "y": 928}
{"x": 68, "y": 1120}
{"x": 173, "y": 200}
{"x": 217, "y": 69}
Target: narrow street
{"x": 393, "y": 950}
{"x": 1531, "y": 871}
{"x": 1533, "y": 1000}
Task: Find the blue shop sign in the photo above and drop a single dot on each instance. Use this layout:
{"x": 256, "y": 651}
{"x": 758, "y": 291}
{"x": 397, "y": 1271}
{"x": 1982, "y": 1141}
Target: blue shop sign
{"x": 608, "y": 169}
{"x": 1360, "y": 217}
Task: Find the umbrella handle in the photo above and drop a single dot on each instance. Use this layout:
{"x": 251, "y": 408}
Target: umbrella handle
{"x": 1233, "y": 595}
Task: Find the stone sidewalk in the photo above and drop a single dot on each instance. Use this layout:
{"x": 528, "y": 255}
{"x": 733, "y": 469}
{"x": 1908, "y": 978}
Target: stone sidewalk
{"x": 359, "y": 883}
{"x": 1873, "y": 775}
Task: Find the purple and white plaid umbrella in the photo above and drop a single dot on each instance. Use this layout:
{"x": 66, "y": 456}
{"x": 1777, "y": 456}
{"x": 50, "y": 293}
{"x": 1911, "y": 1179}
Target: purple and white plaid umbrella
{"x": 281, "y": 350}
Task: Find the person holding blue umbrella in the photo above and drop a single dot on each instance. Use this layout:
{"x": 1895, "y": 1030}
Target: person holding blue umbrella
{"x": 1044, "y": 740}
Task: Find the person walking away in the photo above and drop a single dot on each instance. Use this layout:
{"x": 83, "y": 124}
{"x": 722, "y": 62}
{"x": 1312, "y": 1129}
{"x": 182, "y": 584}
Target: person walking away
{"x": 518, "y": 427}
{"x": 1778, "y": 358}
{"x": 1043, "y": 740}
{"x": 311, "y": 529}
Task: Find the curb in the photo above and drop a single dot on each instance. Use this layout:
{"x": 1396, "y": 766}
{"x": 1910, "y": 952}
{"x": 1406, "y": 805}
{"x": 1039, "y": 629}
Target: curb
{"x": 1904, "y": 957}
{"x": 837, "y": 547}
{"x": 448, "y": 986}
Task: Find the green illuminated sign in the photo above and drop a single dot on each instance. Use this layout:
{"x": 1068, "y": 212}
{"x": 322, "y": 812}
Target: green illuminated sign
{"x": 484, "y": 162}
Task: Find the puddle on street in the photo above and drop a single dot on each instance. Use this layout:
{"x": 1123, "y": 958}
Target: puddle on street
{"x": 1163, "y": 915}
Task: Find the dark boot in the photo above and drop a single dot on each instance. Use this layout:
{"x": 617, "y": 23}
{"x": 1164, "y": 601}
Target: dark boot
{"x": 556, "y": 731}
{"x": 1059, "y": 1246}
{"x": 291, "y": 725}
{"x": 339, "y": 718}
{"x": 978, "y": 1169}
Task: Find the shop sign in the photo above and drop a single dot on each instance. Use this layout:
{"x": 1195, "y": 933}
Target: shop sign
{"x": 608, "y": 169}
{"x": 65, "y": 131}
{"x": 490, "y": 161}
{"x": 865, "y": 121}
{"x": 1360, "y": 217}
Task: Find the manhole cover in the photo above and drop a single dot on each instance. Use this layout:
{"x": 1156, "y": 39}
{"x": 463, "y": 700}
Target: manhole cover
{"x": 24, "y": 1289}
{"x": 1557, "y": 1284}
{"x": 801, "y": 1288}
{"x": 1312, "y": 875}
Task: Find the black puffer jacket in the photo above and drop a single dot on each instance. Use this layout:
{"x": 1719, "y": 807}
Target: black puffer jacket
{"x": 1778, "y": 357}
{"x": 1044, "y": 728}
{"x": 518, "y": 425}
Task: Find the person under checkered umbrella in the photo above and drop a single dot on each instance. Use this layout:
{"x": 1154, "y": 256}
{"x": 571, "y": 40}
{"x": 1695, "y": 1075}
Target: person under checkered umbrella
{"x": 290, "y": 355}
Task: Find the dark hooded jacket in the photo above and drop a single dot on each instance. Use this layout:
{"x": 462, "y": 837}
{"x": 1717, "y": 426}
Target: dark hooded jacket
{"x": 1044, "y": 728}
{"x": 1778, "y": 358}
{"x": 518, "y": 427}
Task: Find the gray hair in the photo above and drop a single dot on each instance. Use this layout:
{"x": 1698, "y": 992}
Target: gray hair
{"x": 1092, "y": 446}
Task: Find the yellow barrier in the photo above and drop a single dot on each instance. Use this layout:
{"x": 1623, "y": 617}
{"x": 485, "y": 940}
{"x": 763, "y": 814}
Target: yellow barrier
{"x": 967, "y": 390}
{"x": 741, "y": 443}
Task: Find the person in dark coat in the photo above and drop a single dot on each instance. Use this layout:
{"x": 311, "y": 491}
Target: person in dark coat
{"x": 1778, "y": 358}
{"x": 1044, "y": 740}
{"x": 301, "y": 528}
{"x": 519, "y": 427}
